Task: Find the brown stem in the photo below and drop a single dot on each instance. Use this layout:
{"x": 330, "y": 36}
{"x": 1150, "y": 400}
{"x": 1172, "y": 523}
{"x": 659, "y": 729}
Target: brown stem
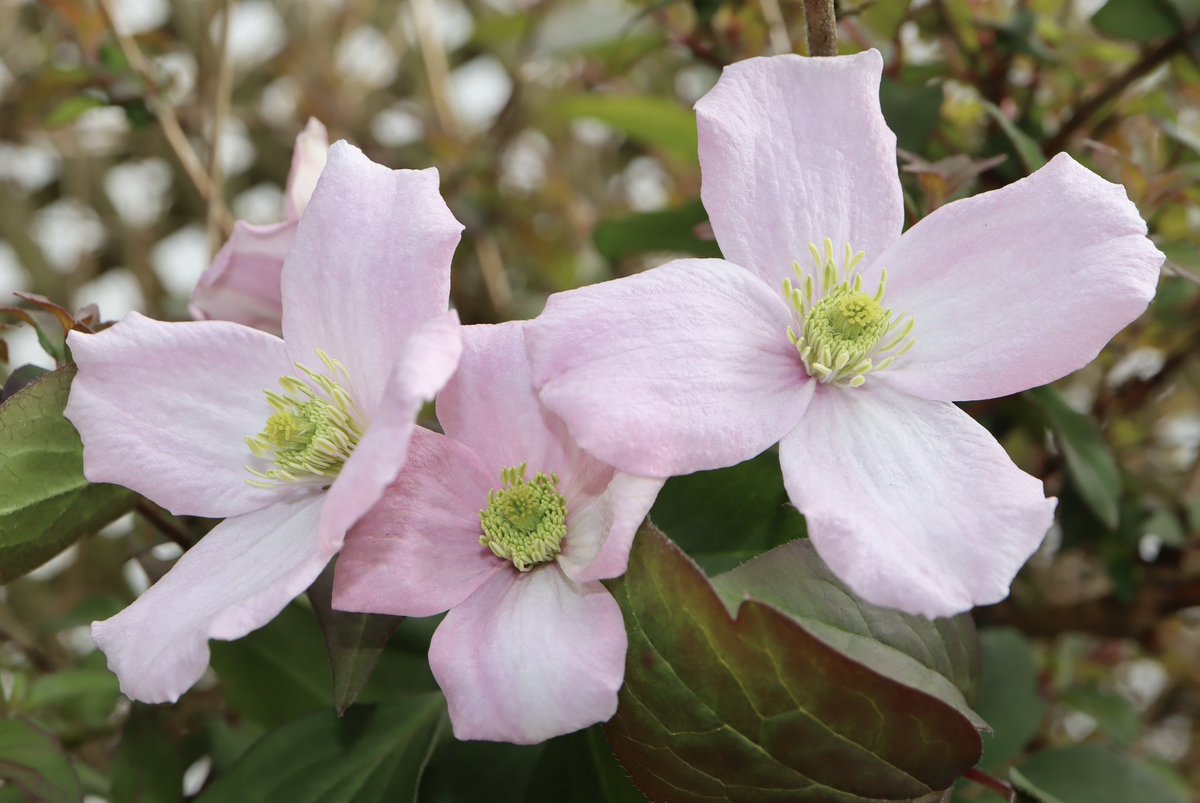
{"x": 495, "y": 277}
{"x": 166, "y": 117}
{"x": 164, "y": 525}
{"x": 1083, "y": 113}
{"x": 220, "y": 113}
{"x": 821, "y": 20}
{"x": 998, "y": 786}
{"x": 437, "y": 67}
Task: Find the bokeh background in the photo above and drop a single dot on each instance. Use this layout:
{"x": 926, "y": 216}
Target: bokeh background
{"x": 566, "y": 145}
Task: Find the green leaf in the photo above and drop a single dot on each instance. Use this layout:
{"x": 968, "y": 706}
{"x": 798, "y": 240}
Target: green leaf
{"x": 939, "y": 657}
{"x": 21, "y": 377}
{"x": 32, "y": 760}
{"x": 148, "y": 766}
{"x": 1114, "y": 715}
{"x": 279, "y": 671}
{"x": 1092, "y": 774}
{"x": 373, "y": 753}
{"x": 884, "y": 17}
{"x": 758, "y": 708}
{"x": 1008, "y": 696}
{"x": 724, "y": 518}
{"x": 69, "y": 109}
{"x": 912, "y": 111}
{"x": 668, "y": 230}
{"x": 580, "y": 768}
{"x": 354, "y": 640}
{"x": 1090, "y": 463}
{"x": 651, "y": 121}
{"x": 485, "y": 771}
{"x": 71, "y": 698}
{"x": 51, "y": 335}
{"x": 1029, "y": 152}
{"x": 47, "y": 503}
{"x": 576, "y": 768}
{"x": 1028, "y": 792}
{"x": 403, "y": 668}
{"x": 1137, "y": 20}
{"x": 1188, "y": 11}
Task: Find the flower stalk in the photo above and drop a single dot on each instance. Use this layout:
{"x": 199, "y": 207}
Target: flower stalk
{"x": 821, "y": 21}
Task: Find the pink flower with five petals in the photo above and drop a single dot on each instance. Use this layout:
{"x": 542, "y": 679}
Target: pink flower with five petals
{"x": 290, "y": 440}
{"x": 533, "y": 645}
{"x": 243, "y": 282}
{"x": 846, "y": 343}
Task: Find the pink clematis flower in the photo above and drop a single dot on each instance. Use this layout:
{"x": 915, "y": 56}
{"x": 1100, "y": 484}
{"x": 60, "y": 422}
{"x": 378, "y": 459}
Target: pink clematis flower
{"x": 291, "y": 440}
{"x": 504, "y": 522}
{"x": 830, "y": 333}
{"x": 243, "y": 282}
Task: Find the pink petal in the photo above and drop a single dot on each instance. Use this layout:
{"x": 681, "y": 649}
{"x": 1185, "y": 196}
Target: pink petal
{"x": 600, "y": 534}
{"x": 425, "y": 363}
{"x": 1018, "y": 287}
{"x": 911, "y": 502}
{"x": 492, "y": 407}
{"x": 371, "y": 262}
{"x": 793, "y": 150}
{"x": 679, "y": 369}
{"x": 308, "y": 160}
{"x": 242, "y": 284}
{"x": 235, "y": 580}
{"x": 530, "y": 656}
{"x": 165, "y": 408}
{"x": 430, "y": 356}
{"x": 417, "y": 552}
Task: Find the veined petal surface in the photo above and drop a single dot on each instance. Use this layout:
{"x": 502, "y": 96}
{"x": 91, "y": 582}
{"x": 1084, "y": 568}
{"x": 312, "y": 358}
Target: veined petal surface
{"x": 910, "y": 502}
{"x": 530, "y": 656}
{"x": 371, "y": 263}
{"x": 682, "y": 368}
{"x": 1018, "y": 287}
{"x": 794, "y": 150}
{"x": 165, "y": 409}
{"x": 242, "y": 283}
{"x": 492, "y": 406}
{"x": 309, "y": 155}
{"x": 600, "y": 532}
{"x": 417, "y": 552}
{"x": 235, "y": 580}
{"x": 426, "y": 361}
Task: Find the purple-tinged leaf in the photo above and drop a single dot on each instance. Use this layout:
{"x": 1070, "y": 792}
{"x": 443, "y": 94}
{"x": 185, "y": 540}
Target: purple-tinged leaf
{"x": 758, "y": 707}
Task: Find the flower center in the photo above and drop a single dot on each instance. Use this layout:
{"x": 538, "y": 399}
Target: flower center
{"x": 312, "y": 432}
{"x": 524, "y": 521}
{"x": 845, "y": 333}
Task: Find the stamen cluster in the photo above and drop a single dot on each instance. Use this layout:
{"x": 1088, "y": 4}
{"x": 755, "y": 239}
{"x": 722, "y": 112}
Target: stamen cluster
{"x": 525, "y": 521}
{"x": 313, "y": 431}
{"x": 845, "y": 334}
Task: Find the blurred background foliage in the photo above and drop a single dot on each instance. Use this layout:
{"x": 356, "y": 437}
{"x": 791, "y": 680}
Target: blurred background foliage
{"x": 566, "y": 145}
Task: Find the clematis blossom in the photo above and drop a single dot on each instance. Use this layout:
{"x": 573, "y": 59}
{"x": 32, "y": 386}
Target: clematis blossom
{"x": 828, "y": 332}
{"x": 243, "y": 282}
{"x": 289, "y": 440}
{"x": 507, "y": 524}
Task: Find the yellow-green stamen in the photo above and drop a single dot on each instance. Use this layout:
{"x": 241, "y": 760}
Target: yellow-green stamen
{"x": 845, "y": 332}
{"x": 312, "y": 432}
{"x": 525, "y": 521}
